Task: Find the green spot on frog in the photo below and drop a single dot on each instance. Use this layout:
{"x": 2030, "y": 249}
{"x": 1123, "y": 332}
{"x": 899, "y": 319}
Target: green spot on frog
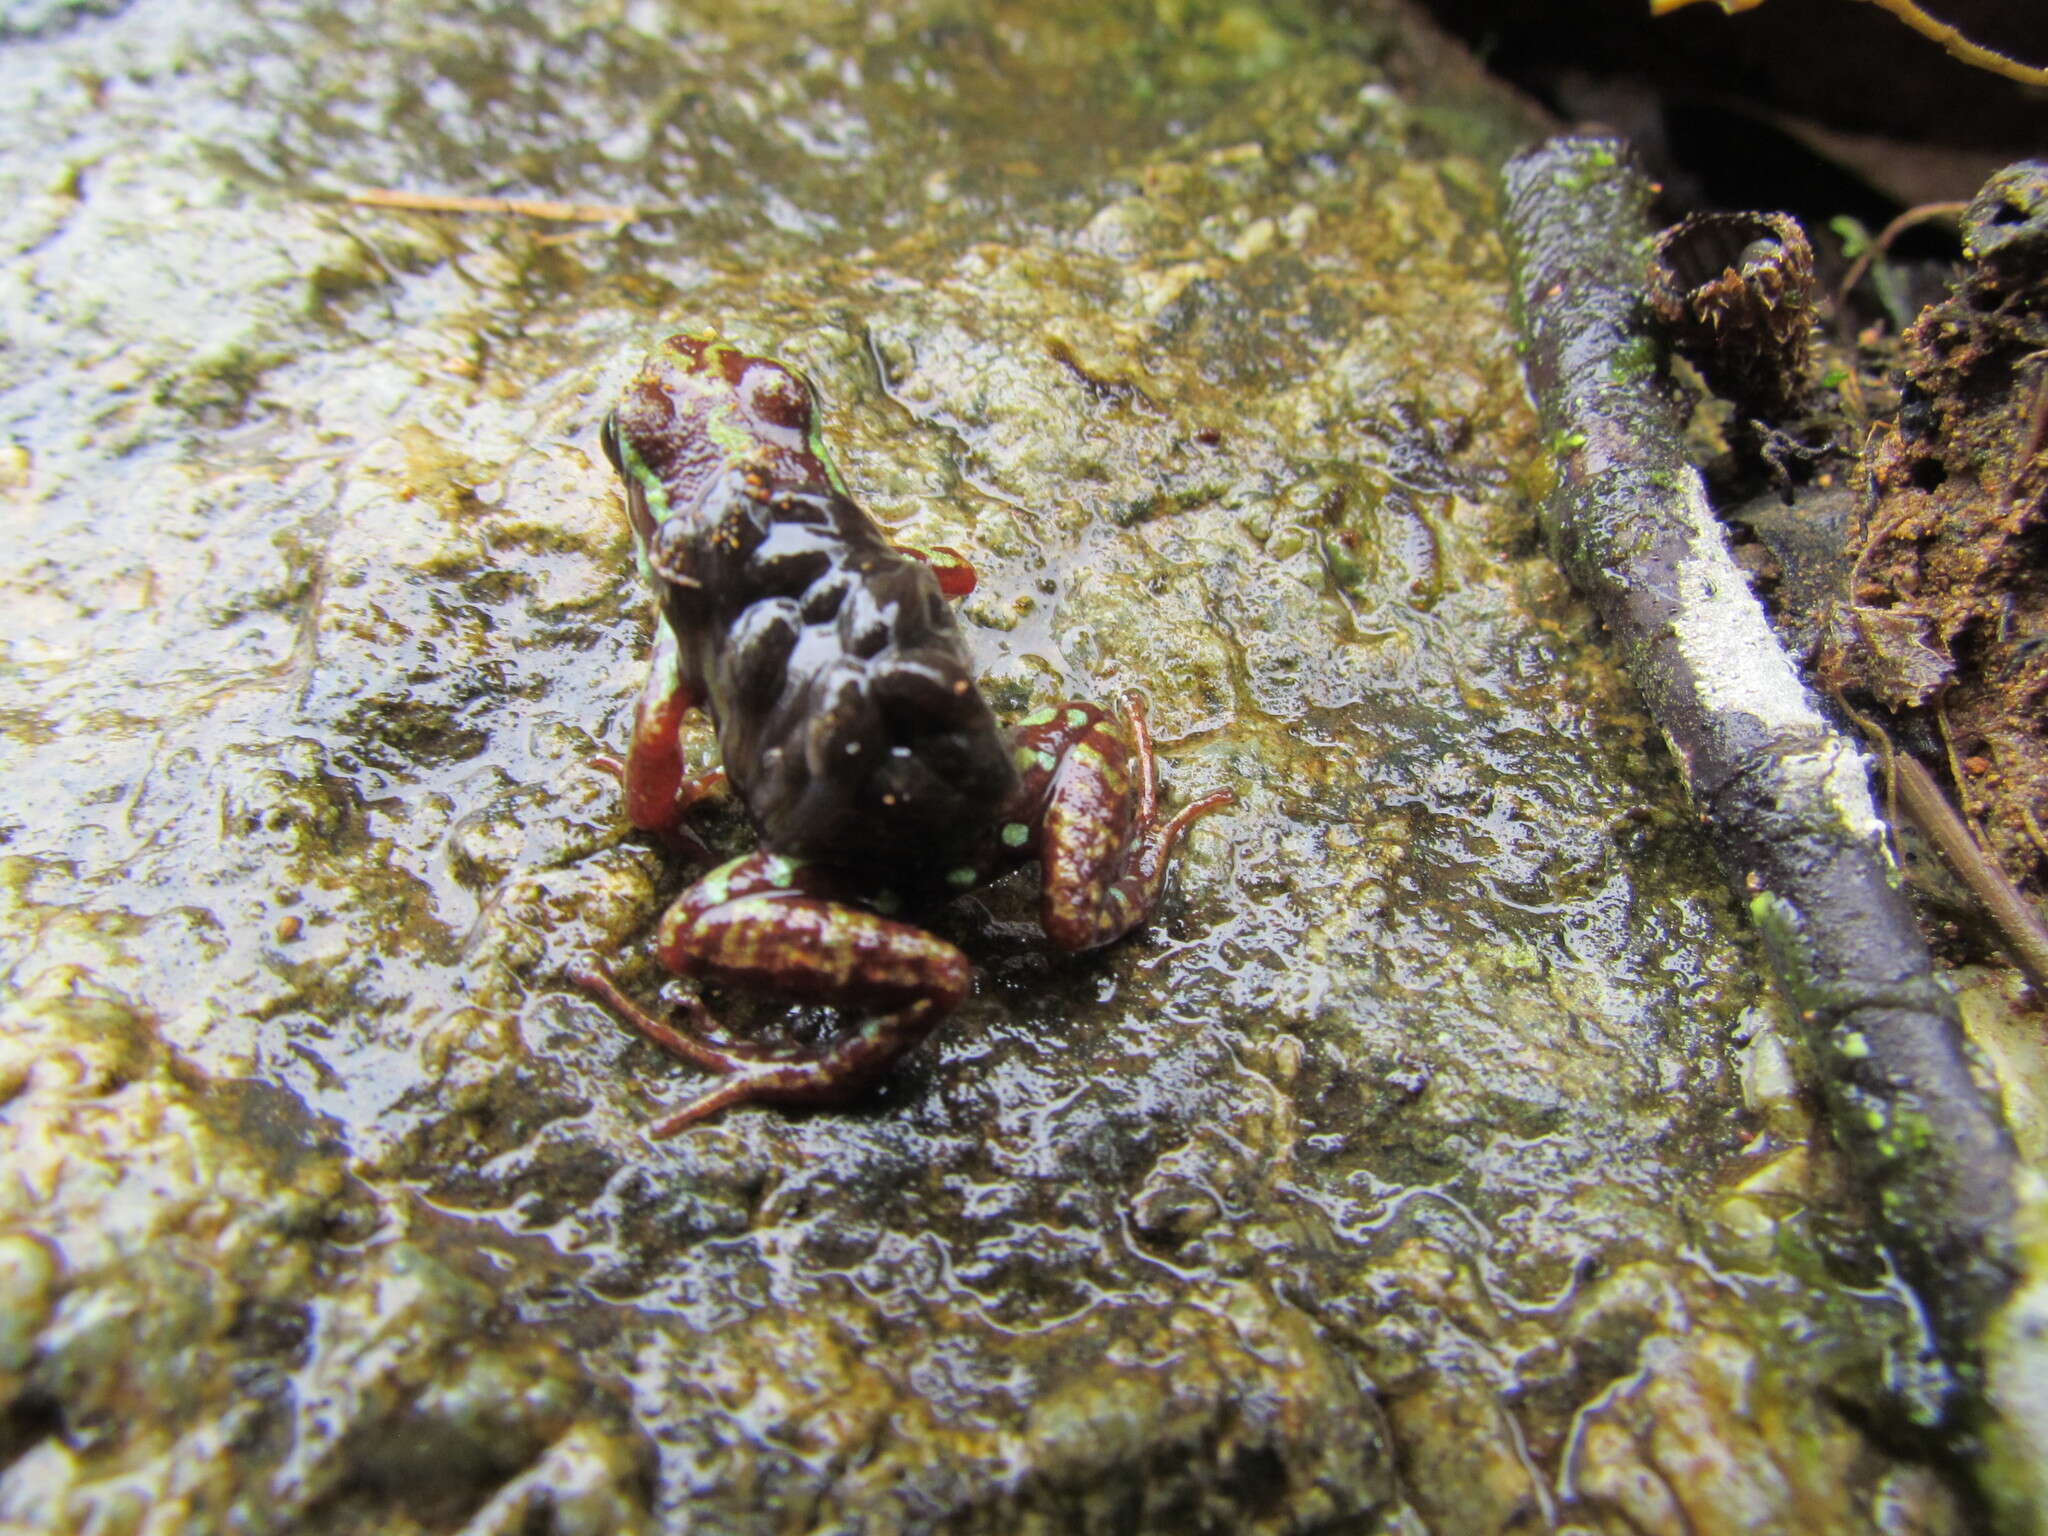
{"x": 730, "y": 437}
{"x": 962, "y": 877}
{"x": 814, "y": 444}
{"x": 649, "y": 482}
{"x": 1912, "y": 1129}
{"x": 1076, "y": 718}
{"x": 1016, "y": 835}
{"x": 716, "y": 887}
{"x": 1038, "y": 717}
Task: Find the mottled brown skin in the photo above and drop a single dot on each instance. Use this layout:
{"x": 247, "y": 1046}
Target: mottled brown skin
{"x": 851, "y": 730}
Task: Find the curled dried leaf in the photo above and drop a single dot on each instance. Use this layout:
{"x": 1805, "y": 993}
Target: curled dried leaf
{"x": 1734, "y": 291}
{"x": 1892, "y": 654}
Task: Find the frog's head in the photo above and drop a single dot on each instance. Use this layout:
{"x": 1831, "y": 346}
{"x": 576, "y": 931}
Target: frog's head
{"x": 699, "y": 411}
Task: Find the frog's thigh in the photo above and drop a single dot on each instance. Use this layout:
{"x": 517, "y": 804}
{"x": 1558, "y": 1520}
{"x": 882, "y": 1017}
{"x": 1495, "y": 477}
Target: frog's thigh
{"x": 809, "y": 948}
{"x": 1085, "y": 841}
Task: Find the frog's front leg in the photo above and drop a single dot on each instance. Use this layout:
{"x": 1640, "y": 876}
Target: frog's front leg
{"x": 953, "y": 571}
{"x": 658, "y": 795}
{"x": 767, "y": 923}
{"x": 1095, "y": 830}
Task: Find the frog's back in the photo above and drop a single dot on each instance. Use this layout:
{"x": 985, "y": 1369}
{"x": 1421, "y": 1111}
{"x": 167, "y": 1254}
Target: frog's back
{"x": 833, "y": 668}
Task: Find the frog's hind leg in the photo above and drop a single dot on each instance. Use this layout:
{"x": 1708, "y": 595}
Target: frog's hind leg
{"x": 1099, "y": 836}
{"x": 769, "y": 924}
{"x": 834, "y": 1075}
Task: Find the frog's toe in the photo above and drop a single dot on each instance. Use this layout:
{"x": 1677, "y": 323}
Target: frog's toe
{"x": 748, "y": 1086}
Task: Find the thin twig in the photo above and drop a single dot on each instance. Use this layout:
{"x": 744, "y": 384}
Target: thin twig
{"x": 1854, "y": 405}
{"x": 2037, "y": 432}
{"x": 1908, "y": 782}
{"x": 1888, "y": 755}
{"x": 1927, "y": 26}
{"x": 2034, "y": 833}
{"x": 521, "y": 207}
{"x": 1867, "y": 511}
{"x": 1886, "y": 236}
{"x": 1955, "y": 772}
{"x": 1961, "y": 47}
{"x": 2025, "y": 938}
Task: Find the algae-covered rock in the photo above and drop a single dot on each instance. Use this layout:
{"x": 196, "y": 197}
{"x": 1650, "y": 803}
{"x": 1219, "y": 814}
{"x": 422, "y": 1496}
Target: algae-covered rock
{"x": 1429, "y": 1164}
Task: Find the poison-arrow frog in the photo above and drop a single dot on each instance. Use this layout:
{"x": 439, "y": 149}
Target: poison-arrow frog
{"x": 851, "y": 731}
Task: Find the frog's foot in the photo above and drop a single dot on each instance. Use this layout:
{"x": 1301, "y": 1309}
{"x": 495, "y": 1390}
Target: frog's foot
{"x": 669, "y": 831}
{"x": 1152, "y": 839}
{"x": 835, "y": 1075}
{"x": 594, "y": 979}
{"x": 838, "y": 1074}
{"x": 673, "y": 835}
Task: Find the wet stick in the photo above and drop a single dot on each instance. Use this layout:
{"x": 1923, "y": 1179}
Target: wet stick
{"x": 1786, "y": 798}
{"x": 2025, "y": 941}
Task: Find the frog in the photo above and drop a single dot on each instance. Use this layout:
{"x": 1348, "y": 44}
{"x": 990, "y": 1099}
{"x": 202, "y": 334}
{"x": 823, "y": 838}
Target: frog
{"x": 852, "y": 732}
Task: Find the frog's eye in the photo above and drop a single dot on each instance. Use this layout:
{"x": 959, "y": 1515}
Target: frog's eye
{"x": 608, "y": 437}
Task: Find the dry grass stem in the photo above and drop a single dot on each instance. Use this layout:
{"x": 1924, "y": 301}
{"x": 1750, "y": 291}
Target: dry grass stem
{"x": 519, "y": 207}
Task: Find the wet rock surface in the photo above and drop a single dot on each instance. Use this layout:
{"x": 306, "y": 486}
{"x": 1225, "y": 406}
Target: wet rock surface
{"x": 1434, "y": 1162}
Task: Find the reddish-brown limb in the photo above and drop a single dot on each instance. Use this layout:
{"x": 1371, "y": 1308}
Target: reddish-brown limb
{"x": 1156, "y": 846}
{"x": 1097, "y": 888}
{"x": 840, "y": 1072}
{"x": 593, "y": 979}
{"x": 955, "y": 572}
{"x": 763, "y": 924}
{"x": 596, "y": 980}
